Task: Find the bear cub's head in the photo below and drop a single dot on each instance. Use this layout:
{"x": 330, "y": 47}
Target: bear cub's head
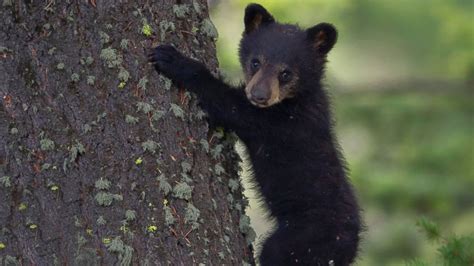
{"x": 280, "y": 61}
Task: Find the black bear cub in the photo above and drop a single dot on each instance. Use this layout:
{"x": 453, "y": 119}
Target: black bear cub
{"x": 282, "y": 115}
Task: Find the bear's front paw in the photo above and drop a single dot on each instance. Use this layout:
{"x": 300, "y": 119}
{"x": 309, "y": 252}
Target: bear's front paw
{"x": 163, "y": 57}
{"x": 171, "y": 63}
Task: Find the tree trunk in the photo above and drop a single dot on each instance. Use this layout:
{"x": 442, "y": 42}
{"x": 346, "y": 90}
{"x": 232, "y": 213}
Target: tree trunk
{"x": 101, "y": 162}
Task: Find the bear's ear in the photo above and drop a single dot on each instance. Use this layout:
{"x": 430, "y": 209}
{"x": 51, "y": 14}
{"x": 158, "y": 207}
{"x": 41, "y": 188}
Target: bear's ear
{"x": 322, "y": 37}
{"x": 255, "y": 17}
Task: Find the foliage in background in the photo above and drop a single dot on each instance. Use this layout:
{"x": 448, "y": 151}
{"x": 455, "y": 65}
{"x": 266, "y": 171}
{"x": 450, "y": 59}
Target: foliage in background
{"x": 452, "y": 250}
{"x": 407, "y": 150}
{"x": 410, "y": 154}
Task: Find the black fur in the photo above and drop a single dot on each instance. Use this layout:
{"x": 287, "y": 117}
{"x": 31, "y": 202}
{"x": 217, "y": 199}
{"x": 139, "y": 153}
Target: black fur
{"x": 256, "y": 15}
{"x": 291, "y": 145}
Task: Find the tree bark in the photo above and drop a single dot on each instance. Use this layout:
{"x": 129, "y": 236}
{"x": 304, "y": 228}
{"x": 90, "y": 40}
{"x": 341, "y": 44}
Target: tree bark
{"x": 102, "y": 161}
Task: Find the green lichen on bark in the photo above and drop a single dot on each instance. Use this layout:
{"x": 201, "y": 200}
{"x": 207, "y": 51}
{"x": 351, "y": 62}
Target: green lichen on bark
{"x": 52, "y": 50}
{"x": 47, "y": 144}
{"x": 157, "y": 115}
{"x": 111, "y": 57}
{"x": 101, "y": 220}
{"x": 102, "y": 184}
{"x": 123, "y": 74}
{"x": 197, "y": 7}
{"x": 164, "y": 186}
{"x": 208, "y": 29}
{"x": 216, "y": 152}
{"x": 191, "y": 216}
{"x": 131, "y": 119}
{"x": 200, "y": 115}
{"x": 5, "y": 181}
{"x": 219, "y": 169}
{"x": 142, "y": 83}
{"x": 124, "y": 44}
{"x": 86, "y": 128}
{"x": 166, "y": 26}
{"x": 87, "y": 61}
{"x": 181, "y": 10}
{"x": 183, "y": 191}
{"x": 106, "y": 199}
{"x": 75, "y": 151}
{"x": 169, "y": 218}
{"x": 246, "y": 229}
{"x": 177, "y": 111}
{"x": 150, "y": 146}
{"x": 10, "y": 260}
{"x": 91, "y": 80}
{"x": 123, "y": 251}
{"x": 205, "y": 145}
{"x": 75, "y": 77}
{"x": 130, "y": 215}
{"x": 144, "y": 107}
{"x": 166, "y": 82}
{"x": 7, "y": 3}
{"x": 186, "y": 167}
{"x": 104, "y": 37}
{"x": 234, "y": 184}
{"x": 147, "y": 30}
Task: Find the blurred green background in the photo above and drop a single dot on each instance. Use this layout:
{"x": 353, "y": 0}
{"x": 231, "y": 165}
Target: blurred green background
{"x": 401, "y": 78}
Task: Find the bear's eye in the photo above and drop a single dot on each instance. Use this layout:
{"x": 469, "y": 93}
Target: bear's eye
{"x": 285, "y": 76}
{"x": 255, "y": 64}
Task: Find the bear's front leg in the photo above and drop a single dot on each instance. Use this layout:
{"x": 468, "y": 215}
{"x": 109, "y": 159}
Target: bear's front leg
{"x": 177, "y": 67}
{"x": 225, "y": 106}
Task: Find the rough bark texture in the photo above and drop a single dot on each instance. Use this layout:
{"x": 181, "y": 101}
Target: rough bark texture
{"x": 101, "y": 162}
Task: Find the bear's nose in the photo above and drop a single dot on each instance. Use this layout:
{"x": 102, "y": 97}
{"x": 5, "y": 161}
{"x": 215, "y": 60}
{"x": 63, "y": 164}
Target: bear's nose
{"x": 260, "y": 96}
